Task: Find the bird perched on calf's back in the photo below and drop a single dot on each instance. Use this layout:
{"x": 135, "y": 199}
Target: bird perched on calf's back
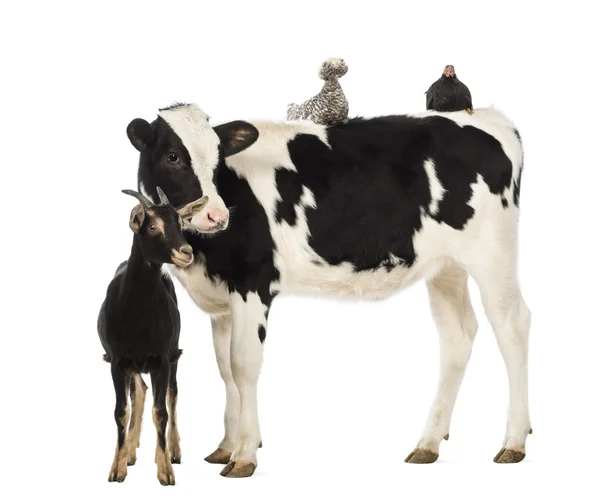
{"x": 330, "y": 105}
{"x": 448, "y": 94}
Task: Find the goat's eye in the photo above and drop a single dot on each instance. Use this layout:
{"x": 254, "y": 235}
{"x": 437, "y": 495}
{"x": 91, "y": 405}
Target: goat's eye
{"x": 152, "y": 228}
{"x": 172, "y": 157}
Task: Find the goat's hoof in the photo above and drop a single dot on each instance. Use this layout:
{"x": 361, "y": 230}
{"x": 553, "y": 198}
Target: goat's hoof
{"x": 117, "y": 475}
{"x": 176, "y": 455}
{"x": 509, "y": 456}
{"x": 166, "y": 476}
{"x": 219, "y": 457}
{"x": 421, "y": 457}
{"x": 238, "y": 469}
{"x": 260, "y": 445}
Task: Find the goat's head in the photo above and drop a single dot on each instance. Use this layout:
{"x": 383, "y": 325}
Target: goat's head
{"x": 159, "y": 228}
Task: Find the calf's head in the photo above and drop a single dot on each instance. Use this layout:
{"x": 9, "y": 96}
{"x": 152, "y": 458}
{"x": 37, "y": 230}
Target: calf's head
{"x": 182, "y": 152}
{"x": 159, "y": 228}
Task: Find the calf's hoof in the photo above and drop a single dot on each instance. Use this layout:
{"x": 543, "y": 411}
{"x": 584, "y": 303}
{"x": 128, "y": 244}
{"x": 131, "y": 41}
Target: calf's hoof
{"x": 238, "y": 469}
{"x": 509, "y": 456}
{"x": 219, "y": 457}
{"x": 421, "y": 457}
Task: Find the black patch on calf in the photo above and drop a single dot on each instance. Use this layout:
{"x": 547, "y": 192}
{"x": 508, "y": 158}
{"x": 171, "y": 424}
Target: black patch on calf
{"x": 242, "y": 255}
{"x": 178, "y": 180}
{"x": 371, "y": 188}
{"x": 355, "y": 185}
{"x": 262, "y": 333}
{"x": 290, "y": 191}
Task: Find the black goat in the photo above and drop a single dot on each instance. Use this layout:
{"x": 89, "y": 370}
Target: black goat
{"x": 139, "y": 328}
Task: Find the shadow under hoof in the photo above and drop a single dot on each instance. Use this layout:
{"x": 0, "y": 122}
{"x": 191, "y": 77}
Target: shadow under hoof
{"x": 509, "y": 456}
{"x": 219, "y": 457}
{"x": 238, "y": 469}
{"x": 422, "y": 457}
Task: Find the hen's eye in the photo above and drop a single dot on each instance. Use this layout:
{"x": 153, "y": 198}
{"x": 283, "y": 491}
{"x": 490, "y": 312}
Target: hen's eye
{"x": 172, "y": 157}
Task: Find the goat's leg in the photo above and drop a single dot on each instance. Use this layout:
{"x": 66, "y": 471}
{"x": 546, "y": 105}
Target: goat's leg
{"x": 137, "y": 392}
{"x": 249, "y": 322}
{"x": 510, "y": 319}
{"x": 456, "y": 323}
{"x": 118, "y": 470}
{"x": 160, "y": 415}
{"x": 173, "y": 436}
{"x": 221, "y": 331}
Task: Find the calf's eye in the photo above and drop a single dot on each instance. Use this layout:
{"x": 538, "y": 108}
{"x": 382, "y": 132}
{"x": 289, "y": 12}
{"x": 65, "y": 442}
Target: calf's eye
{"x": 172, "y": 157}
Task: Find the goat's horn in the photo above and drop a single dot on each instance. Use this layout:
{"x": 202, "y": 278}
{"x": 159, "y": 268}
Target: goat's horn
{"x": 146, "y": 203}
{"x": 163, "y": 197}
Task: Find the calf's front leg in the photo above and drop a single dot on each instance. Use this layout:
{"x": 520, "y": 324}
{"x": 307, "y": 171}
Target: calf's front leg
{"x": 249, "y": 326}
{"x": 221, "y": 331}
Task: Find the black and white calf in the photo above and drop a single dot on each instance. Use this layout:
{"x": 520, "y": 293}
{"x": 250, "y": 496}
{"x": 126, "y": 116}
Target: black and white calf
{"x": 364, "y": 209}
{"x": 139, "y": 327}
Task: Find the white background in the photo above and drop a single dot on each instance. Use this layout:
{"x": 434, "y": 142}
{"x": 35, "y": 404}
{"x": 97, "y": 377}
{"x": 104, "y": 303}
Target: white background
{"x": 345, "y": 386}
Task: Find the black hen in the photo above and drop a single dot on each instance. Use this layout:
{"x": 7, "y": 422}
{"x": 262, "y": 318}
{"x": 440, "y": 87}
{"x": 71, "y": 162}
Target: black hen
{"x": 448, "y": 94}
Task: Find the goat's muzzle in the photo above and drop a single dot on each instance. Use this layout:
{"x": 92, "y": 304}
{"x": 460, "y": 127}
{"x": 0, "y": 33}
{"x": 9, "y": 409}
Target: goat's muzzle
{"x": 182, "y": 257}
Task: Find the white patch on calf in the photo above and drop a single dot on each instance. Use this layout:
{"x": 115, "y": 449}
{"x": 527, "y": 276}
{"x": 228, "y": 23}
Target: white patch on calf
{"x": 191, "y": 125}
{"x": 211, "y": 297}
{"x": 435, "y": 187}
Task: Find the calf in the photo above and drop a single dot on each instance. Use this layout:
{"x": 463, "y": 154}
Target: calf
{"x": 139, "y": 327}
{"x": 360, "y": 209}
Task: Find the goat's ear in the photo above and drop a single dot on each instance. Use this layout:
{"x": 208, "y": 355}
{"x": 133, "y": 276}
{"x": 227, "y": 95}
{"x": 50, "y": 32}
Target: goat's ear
{"x": 140, "y": 134}
{"x": 137, "y": 218}
{"x": 236, "y": 136}
{"x": 191, "y": 209}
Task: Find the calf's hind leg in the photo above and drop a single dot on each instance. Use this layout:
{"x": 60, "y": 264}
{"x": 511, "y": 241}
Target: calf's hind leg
{"x": 510, "y": 319}
{"x": 456, "y": 324}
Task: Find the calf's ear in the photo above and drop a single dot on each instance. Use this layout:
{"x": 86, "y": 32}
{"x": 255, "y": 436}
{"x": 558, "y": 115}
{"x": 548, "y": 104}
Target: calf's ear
{"x": 137, "y": 218}
{"x": 236, "y": 136}
{"x": 191, "y": 209}
{"x": 140, "y": 134}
